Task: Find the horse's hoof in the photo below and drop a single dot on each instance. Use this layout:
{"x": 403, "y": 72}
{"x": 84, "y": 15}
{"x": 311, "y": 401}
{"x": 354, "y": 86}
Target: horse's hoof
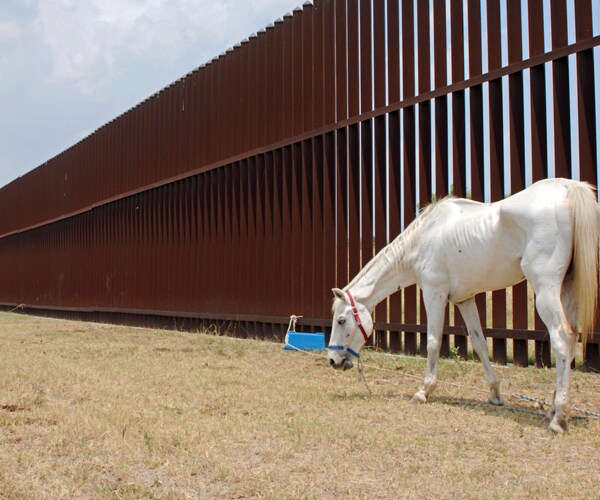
{"x": 496, "y": 400}
{"x": 418, "y": 398}
{"x": 558, "y": 426}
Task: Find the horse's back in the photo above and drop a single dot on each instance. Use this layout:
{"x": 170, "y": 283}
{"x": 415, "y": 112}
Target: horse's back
{"x": 541, "y": 201}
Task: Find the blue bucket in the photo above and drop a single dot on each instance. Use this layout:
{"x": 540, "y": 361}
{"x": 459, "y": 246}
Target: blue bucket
{"x": 305, "y": 341}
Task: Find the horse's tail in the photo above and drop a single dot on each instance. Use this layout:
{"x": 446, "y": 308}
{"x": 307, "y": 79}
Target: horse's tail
{"x": 585, "y": 213}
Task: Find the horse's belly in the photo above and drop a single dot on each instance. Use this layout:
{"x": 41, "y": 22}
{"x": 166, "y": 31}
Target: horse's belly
{"x": 474, "y": 274}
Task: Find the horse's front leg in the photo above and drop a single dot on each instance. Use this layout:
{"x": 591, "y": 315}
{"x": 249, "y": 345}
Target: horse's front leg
{"x": 468, "y": 310}
{"x": 435, "y": 305}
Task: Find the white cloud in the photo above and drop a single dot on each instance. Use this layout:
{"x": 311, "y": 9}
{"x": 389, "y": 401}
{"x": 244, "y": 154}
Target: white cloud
{"x": 88, "y": 41}
{"x": 9, "y": 31}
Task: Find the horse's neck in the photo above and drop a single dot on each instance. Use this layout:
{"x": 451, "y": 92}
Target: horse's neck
{"x": 386, "y": 273}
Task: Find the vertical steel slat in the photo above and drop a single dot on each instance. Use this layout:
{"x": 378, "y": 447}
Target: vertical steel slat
{"x": 221, "y": 100}
{"x": 212, "y": 111}
{"x": 191, "y": 271}
{"x": 394, "y": 165}
{"x": 424, "y": 127}
{"x": 441, "y": 103}
{"x": 227, "y": 110}
{"x": 476, "y": 117}
{"x": 297, "y": 76}
{"x": 586, "y": 108}
{"x": 365, "y": 58}
{"x": 288, "y": 77}
{"x": 562, "y": 118}
{"x": 497, "y": 160}
{"x": 539, "y": 161}
{"x": 476, "y": 120}
{"x": 287, "y": 245}
{"x": 317, "y": 233}
{"x": 146, "y": 256}
{"x": 236, "y": 249}
{"x": 408, "y": 50}
{"x": 379, "y": 61}
{"x": 135, "y": 255}
{"x": 538, "y": 135}
{"x": 210, "y": 237}
{"x": 280, "y": 286}
{"x": 261, "y": 94}
{"x": 366, "y": 196}
{"x": 441, "y": 123}
{"x": 329, "y": 224}
{"x": 587, "y": 131}
{"x": 245, "y": 262}
{"x": 278, "y": 82}
{"x": 342, "y": 216}
{"x": 318, "y": 54}
{"x": 228, "y": 255}
{"x": 170, "y": 244}
{"x": 393, "y": 51}
{"x": 189, "y": 142}
{"x": 307, "y": 186}
{"x": 198, "y": 247}
{"x": 260, "y": 306}
{"x": 252, "y": 247}
{"x": 268, "y": 247}
{"x": 353, "y": 74}
{"x": 409, "y": 159}
{"x": 220, "y": 252}
{"x": 516, "y": 132}
{"x": 423, "y": 48}
{"x": 270, "y": 106}
{"x": 296, "y": 225}
{"x": 394, "y": 209}
{"x": 329, "y": 62}
{"x": 380, "y": 215}
{"x": 341, "y": 143}
{"x": 308, "y": 103}
{"x": 203, "y": 255}
{"x": 354, "y": 172}
{"x": 341, "y": 62}
{"x": 459, "y": 186}
{"x": 560, "y": 71}
{"x": 380, "y": 153}
{"x": 243, "y": 110}
{"x": 439, "y": 43}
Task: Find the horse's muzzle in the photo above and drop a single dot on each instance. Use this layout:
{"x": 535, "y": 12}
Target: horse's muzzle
{"x": 343, "y": 364}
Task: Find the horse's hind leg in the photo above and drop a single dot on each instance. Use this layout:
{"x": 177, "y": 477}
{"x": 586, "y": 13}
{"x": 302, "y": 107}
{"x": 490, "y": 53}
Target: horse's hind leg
{"x": 468, "y": 310}
{"x": 563, "y": 341}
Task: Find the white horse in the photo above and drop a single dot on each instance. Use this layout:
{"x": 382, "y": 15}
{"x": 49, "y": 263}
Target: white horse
{"x": 457, "y": 248}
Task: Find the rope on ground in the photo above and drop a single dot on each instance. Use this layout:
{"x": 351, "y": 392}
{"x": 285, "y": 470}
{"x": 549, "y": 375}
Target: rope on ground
{"x": 20, "y": 306}
{"x": 540, "y": 402}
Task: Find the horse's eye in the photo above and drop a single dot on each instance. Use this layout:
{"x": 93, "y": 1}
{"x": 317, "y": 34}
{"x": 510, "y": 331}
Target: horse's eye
{"x": 341, "y": 321}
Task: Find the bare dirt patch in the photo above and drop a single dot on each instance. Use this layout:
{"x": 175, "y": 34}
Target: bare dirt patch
{"x": 98, "y": 411}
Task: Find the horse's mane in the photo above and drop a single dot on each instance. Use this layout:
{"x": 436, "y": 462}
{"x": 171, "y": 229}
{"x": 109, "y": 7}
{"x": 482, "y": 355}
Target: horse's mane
{"x": 404, "y": 242}
{"x": 398, "y": 249}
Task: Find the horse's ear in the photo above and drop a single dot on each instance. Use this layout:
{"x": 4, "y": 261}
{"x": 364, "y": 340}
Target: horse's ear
{"x": 338, "y": 294}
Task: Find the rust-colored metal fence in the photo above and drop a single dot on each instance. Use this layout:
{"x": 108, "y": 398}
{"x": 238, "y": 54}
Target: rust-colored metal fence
{"x": 246, "y": 190}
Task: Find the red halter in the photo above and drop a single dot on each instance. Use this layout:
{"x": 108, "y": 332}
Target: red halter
{"x": 356, "y": 316}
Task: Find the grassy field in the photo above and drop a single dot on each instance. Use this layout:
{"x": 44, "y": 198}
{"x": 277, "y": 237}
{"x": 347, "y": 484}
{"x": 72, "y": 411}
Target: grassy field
{"x": 98, "y": 411}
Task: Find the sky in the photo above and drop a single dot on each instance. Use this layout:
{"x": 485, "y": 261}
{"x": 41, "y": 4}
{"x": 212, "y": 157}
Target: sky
{"x": 69, "y": 66}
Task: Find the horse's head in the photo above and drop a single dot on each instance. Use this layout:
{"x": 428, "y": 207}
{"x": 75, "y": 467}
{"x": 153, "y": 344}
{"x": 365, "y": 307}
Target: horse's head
{"x": 352, "y": 325}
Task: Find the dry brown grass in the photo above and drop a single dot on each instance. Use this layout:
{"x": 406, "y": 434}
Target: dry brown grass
{"x": 97, "y": 411}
